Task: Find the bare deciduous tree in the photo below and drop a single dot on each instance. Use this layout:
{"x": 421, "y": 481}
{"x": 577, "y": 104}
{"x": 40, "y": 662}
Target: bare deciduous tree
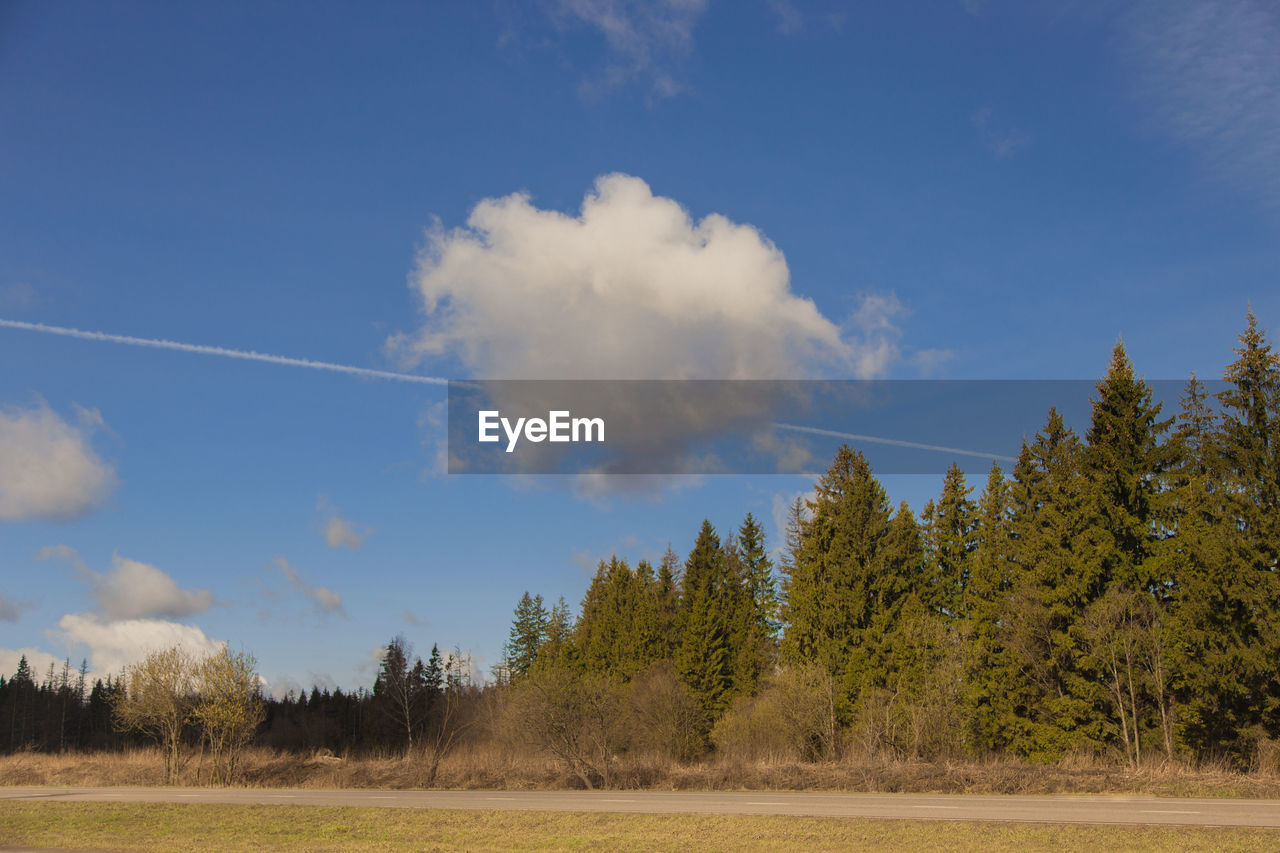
{"x": 229, "y": 708}
{"x": 576, "y": 718}
{"x": 158, "y": 697}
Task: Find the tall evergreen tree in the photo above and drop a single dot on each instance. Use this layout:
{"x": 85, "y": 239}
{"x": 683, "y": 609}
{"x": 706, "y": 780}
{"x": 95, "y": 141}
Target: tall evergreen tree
{"x": 1248, "y": 456}
{"x": 755, "y": 623}
{"x": 557, "y": 650}
{"x": 528, "y": 632}
{"x": 1057, "y": 544}
{"x": 1250, "y": 444}
{"x": 399, "y": 694}
{"x": 949, "y": 532}
{"x": 990, "y": 682}
{"x": 1123, "y": 464}
{"x": 667, "y": 594}
{"x": 838, "y": 581}
{"x": 703, "y": 658}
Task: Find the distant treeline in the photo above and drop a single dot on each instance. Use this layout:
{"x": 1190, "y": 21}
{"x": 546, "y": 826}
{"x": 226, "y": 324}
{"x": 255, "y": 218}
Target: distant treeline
{"x": 61, "y": 711}
{"x": 1115, "y": 593}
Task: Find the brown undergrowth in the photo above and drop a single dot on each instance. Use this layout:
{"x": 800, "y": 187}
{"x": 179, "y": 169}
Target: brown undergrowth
{"x": 485, "y": 767}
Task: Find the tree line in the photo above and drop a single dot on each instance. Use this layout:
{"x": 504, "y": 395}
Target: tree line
{"x": 1114, "y": 594}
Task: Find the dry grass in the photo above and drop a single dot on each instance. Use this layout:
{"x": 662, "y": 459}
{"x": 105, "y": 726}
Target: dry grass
{"x": 229, "y": 828}
{"x": 489, "y": 767}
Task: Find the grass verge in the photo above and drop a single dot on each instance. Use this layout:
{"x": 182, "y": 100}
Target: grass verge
{"x": 486, "y": 768}
{"x": 231, "y": 828}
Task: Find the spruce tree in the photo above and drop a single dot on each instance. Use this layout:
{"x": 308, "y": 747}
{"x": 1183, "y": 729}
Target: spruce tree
{"x": 837, "y": 582}
{"x": 528, "y": 632}
{"x": 1123, "y": 464}
{"x": 703, "y": 658}
{"x": 1247, "y": 699}
{"x": 557, "y": 650}
{"x": 990, "y": 682}
{"x": 950, "y": 540}
{"x": 756, "y": 622}
{"x": 1057, "y": 544}
{"x": 667, "y": 594}
{"x": 1250, "y": 445}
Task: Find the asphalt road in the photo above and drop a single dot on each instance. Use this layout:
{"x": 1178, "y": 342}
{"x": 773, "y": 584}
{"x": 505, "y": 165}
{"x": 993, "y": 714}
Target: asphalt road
{"x": 1116, "y": 809}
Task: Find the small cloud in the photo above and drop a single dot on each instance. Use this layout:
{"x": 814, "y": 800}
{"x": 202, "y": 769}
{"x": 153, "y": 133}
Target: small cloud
{"x": 792, "y": 453}
{"x": 410, "y": 618}
{"x": 326, "y": 601}
{"x": 584, "y": 560}
{"x": 282, "y": 686}
{"x": 874, "y": 323}
{"x": 61, "y": 552}
{"x": 1000, "y": 139}
{"x": 790, "y": 20}
{"x": 48, "y": 470}
{"x": 10, "y": 610}
{"x": 133, "y": 590}
{"x": 645, "y": 40}
{"x": 338, "y": 531}
{"x": 17, "y": 295}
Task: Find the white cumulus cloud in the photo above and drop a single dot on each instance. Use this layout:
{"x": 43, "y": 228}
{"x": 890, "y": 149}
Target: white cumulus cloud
{"x": 630, "y": 288}
{"x": 112, "y": 645}
{"x": 48, "y": 469}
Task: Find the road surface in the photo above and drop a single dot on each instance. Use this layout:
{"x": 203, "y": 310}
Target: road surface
{"x": 1115, "y": 809}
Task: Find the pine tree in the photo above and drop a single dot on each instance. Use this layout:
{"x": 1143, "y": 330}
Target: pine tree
{"x": 950, "y": 541}
{"x": 528, "y": 632}
{"x": 668, "y": 603}
{"x": 399, "y": 693}
{"x": 833, "y": 583}
{"x": 990, "y": 683}
{"x": 1057, "y": 536}
{"x": 755, "y": 622}
{"x": 1123, "y": 464}
{"x": 1250, "y": 445}
{"x": 557, "y": 650}
{"x": 1195, "y": 555}
{"x": 1225, "y": 677}
{"x": 703, "y": 656}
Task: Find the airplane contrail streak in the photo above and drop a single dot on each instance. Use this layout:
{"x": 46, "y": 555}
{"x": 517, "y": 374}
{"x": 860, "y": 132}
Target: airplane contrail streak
{"x": 896, "y": 442}
{"x": 250, "y": 355}
{"x": 200, "y": 349}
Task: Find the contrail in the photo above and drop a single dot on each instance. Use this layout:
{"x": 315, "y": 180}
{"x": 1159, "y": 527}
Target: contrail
{"x": 915, "y": 445}
{"x": 199, "y": 349}
{"x": 250, "y": 355}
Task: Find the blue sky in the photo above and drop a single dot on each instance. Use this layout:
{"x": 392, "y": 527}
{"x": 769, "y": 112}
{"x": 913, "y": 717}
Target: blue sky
{"x": 961, "y": 189}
